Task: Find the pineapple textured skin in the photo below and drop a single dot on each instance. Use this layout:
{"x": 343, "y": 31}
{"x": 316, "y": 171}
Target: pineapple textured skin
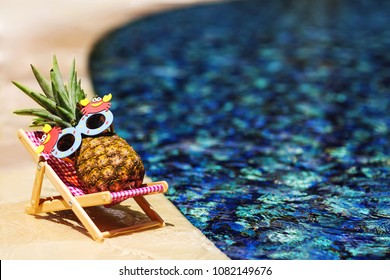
{"x": 108, "y": 163}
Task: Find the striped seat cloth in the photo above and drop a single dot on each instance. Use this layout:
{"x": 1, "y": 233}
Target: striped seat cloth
{"x": 67, "y": 173}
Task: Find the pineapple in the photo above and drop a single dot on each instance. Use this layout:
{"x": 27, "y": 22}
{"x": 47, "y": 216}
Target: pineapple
{"x": 103, "y": 162}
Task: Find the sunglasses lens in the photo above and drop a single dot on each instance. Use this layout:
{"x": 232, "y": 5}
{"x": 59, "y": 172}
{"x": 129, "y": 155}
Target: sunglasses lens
{"x": 95, "y": 121}
{"x": 65, "y": 142}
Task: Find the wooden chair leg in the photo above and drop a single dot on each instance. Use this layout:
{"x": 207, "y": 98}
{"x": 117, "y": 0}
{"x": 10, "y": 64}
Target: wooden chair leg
{"x": 73, "y": 204}
{"x": 148, "y": 209}
{"x": 32, "y": 208}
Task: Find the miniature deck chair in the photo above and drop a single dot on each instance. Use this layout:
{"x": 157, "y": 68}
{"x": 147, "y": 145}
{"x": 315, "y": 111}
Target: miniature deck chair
{"x": 63, "y": 176}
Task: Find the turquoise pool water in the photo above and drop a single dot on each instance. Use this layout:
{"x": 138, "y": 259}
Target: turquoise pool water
{"x": 269, "y": 119}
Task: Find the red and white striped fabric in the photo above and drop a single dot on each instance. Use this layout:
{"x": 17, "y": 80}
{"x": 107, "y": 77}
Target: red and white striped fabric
{"x": 67, "y": 173}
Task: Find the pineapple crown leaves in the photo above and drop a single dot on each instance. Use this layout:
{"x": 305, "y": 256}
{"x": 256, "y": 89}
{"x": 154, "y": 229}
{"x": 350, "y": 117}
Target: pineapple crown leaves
{"x": 59, "y": 102}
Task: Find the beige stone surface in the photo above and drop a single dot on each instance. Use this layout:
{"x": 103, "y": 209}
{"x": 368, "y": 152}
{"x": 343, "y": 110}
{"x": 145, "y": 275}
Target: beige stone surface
{"x": 31, "y": 32}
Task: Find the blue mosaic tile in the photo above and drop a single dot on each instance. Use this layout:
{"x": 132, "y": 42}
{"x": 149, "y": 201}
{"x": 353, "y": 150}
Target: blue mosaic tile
{"x": 269, "y": 119}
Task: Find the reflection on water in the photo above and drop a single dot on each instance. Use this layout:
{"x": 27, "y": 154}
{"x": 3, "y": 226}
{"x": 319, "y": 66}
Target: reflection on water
{"x": 269, "y": 119}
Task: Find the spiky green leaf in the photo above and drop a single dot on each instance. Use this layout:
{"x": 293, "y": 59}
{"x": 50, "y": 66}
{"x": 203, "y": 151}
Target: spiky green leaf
{"x": 58, "y": 85}
{"x": 43, "y": 114}
{"x": 38, "y": 122}
{"x": 43, "y": 83}
{"x": 72, "y": 85}
{"x": 42, "y": 100}
{"x": 60, "y": 99}
{"x": 80, "y": 92}
{"x": 66, "y": 115}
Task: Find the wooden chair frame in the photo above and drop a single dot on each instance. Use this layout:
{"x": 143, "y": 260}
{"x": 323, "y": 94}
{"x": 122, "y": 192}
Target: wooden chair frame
{"x": 66, "y": 200}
